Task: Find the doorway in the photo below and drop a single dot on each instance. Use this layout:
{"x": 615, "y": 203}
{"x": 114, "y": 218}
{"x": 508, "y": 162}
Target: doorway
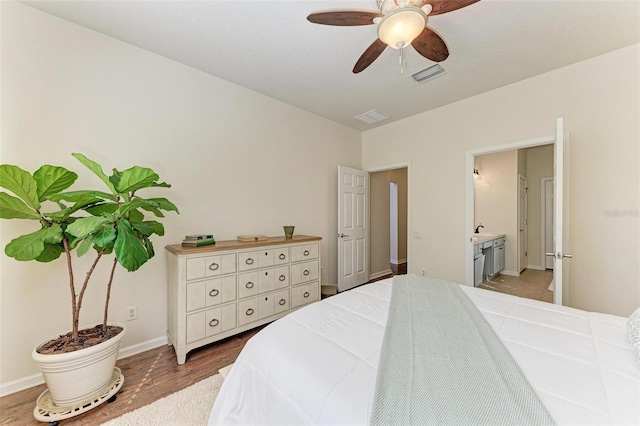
{"x": 559, "y": 141}
{"x": 389, "y": 218}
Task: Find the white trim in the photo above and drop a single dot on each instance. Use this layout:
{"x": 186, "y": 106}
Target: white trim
{"x": 543, "y": 222}
{"x": 406, "y": 165}
{"x": 398, "y": 262}
{"x": 469, "y": 195}
{"x": 37, "y": 379}
{"x": 536, "y": 267}
{"x": 380, "y": 274}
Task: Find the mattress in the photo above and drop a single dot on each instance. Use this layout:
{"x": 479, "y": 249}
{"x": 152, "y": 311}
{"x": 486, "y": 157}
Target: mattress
{"x": 318, "y": 364}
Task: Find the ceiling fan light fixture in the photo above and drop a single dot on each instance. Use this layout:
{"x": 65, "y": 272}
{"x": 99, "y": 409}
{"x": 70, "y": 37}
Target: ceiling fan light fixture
{"x": 401, "y": 26}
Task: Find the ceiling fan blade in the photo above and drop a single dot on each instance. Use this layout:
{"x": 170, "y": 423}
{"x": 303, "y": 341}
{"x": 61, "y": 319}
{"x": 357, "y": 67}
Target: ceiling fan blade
{"x": 369, "y": 55}
{"x": 431, "y": 46}
{"x": 344, "y": 17}
{"x": 444, "y": 6}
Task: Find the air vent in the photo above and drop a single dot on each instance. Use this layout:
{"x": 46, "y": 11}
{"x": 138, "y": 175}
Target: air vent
{"x": 372, "y": 117}
{"x": 427, "y": 73}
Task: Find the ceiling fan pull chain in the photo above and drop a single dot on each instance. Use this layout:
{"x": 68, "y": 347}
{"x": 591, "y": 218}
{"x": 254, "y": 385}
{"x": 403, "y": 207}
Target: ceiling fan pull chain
{"x": 401, "y": 60}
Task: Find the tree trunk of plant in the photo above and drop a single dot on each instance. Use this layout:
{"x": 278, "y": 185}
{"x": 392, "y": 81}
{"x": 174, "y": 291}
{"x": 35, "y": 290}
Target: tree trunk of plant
{"x": 106, "y": 302}
{"x": 72, "y": 288}
{"x": 84, "y": 286}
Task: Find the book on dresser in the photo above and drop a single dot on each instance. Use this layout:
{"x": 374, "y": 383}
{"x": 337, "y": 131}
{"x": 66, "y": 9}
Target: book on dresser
{"x": 198, "y": 243}
{"x": 224, "y": 289}
{"x": 196, "y": 237}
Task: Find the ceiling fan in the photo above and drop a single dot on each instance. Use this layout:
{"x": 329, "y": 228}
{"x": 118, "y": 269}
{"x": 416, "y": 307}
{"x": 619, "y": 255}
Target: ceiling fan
{"x": 400, "y": 23}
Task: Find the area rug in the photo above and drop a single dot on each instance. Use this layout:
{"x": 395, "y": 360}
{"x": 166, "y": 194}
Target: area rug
{"x": 190, "y": 406}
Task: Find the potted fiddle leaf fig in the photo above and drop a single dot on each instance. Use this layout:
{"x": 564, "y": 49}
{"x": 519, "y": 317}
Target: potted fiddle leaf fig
{"x": 108, "y": 223}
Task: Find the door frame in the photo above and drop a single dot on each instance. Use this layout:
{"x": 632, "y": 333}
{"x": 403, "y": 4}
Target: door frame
{"x": 470, "y": 196}
{"x": 395, "y": 166}
{"x": 543, "y": 220}
{"x": 523, "y": 210}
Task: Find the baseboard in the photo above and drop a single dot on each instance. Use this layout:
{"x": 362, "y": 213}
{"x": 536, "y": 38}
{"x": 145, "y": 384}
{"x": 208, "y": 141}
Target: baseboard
{"x": 380, "y": 274}
{"x": 37, "y": 379}
{"x": 398, "y": 262}
{"x": 510, "y": 273}
{"x": 536, "y": 267}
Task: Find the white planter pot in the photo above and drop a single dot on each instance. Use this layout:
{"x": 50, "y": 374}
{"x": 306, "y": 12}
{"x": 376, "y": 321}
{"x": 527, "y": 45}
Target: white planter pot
{"x": 74, "y": 378}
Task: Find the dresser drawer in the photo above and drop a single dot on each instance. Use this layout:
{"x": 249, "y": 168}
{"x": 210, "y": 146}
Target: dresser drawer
{"x": 247, "y": 311}
{"x": 281, "y": 256}
{"x": 201, "y": 294}
{"x": 281, "y": 300}
{"x": 304, "y": 294}
{"x": 307, "y": 251}
{"x": 248, "y": 260}
{"x": 210, "y": 322}
{"x": 266, "y": 280}
{"x": 247, "y": 284}
{"x": 303, "y": 272}
{"x": 281, "y": 277}
{"x": 210, "y": 266}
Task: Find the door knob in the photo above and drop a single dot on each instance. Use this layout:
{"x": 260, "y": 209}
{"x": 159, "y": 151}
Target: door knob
{"x": 559, "y": 256}
{"x": 342, "y": 235}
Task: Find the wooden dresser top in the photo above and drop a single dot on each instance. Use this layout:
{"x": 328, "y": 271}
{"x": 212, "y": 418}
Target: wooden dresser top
{"x": 178, "y": 250}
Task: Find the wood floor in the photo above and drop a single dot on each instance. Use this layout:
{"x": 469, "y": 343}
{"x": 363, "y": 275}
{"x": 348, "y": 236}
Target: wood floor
{"x": 148, "y": 376}
{"x": 531, "y": 283}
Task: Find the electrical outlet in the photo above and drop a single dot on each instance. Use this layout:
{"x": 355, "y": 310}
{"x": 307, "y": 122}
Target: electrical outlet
{"x": 132, "y": 313}
{"x": 424, "y": 272}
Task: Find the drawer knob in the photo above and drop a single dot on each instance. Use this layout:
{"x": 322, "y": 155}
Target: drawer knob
{"x": 306, "y": 253}
{"x": 282, "y": 302}
{"x": 213, "y": 322}
{"x": 214, "y": 292}
{"x": 249, "y": 261}
{"x": 306, "y": 272}
{"x": 214, "y": 266}
{"x": 266, "y": 273}
{"x": 282, "y": 278}
{"x": 266, "y": 253}
{"x": 306, "y": 294}
{"x": 249, "y": 311}
{"x": 282, "y": 256}
{"x": 249, "y": 285}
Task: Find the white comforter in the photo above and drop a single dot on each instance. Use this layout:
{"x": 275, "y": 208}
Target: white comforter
{"x": 318, "y": 365}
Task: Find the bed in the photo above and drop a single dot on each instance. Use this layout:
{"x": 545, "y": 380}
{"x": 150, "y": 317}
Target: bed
{"x": 318, "y": 365}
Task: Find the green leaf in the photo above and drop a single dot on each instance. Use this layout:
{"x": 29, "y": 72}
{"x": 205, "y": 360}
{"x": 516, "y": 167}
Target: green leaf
{"x": 135, "y": 216}
{"x": 104, "y": 236}
{"x": 164, "y": 204}
{"x": 75, "y": 196}
{"x": 84, "y": 246}
{"x": 101, "y": 209}
{"x": 136, "y": 203}
{"x": 157, "y": 227}
{"x": 149, "y": 247}
{"x": 161, "y": 185}
{"x": 52, "y": 234}
{"x": 136, "y": 178}
{"x": 26, "y": 247}
{"x": 51, "y": 252}
{"x": 59, "y": 216}
{"x": 53, "y": 179}
{"x": 143, "y": 228}
{"x": 97, "y": 169}
{"x": 129, "y": 249}
{"x": 86, "y": 225}
{"x": 21, "y": 183}
{"x": 14, "y": 208}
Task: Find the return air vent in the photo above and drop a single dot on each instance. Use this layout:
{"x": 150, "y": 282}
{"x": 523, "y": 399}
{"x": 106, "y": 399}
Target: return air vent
{"x": 427, "y": 73}
{"x": 372, "y": 117}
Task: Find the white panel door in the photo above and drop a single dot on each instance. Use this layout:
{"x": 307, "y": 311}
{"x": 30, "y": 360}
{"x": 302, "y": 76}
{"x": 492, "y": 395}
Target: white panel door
{"x": 522, "y": 224}
{"x": 353, "y": 232}
{"x": 560, "y": 214}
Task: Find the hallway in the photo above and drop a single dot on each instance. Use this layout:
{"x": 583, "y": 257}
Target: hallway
{"x": 532, "y": 284}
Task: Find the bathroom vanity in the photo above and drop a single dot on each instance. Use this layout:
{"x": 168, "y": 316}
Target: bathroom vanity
{"x": 488, "y": 256}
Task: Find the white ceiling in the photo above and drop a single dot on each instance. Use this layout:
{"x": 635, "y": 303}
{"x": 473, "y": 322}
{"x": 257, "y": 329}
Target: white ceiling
{"x": 270, "y": 47}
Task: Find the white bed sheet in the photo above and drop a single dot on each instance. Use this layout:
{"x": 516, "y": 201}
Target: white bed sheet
{"x": 318, "y": 365}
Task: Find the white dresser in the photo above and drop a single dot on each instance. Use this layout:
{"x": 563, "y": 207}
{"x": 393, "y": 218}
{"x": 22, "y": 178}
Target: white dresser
{"x": 220, "y": 290}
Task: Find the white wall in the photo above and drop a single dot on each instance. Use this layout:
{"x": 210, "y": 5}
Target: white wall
{"x": 239, "y": 163}
{"x": 599, "y": 99}
{"x": 496, "y": 201}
